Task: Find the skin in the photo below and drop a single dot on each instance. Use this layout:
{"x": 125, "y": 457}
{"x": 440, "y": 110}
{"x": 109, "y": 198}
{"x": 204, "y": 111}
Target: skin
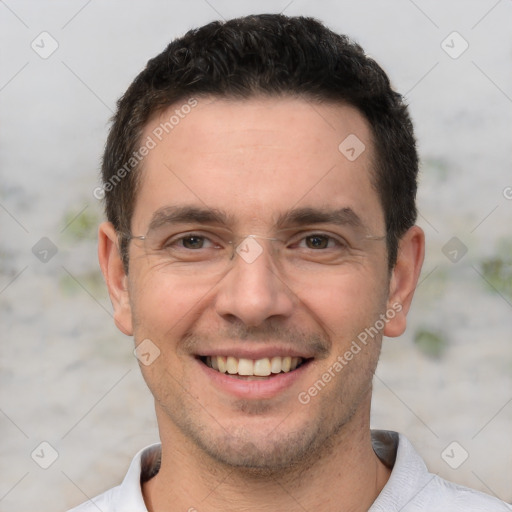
{"x": 221, "y": 452}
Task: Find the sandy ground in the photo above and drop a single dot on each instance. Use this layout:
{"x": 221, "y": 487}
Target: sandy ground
{"x": 68, "y": 377}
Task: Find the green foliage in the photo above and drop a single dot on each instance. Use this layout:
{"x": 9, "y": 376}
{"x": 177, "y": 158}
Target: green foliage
{"x": 80, "y": 225}
{"x": 497, "y": 270}
{"x": 432, "y": 344}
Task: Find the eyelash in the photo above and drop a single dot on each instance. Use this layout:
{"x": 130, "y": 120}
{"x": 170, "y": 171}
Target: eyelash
{"x": 338, "y": 241}
{"x": 330, "y": 239}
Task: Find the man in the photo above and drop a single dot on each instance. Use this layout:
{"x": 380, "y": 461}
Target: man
{"x": 260, "y": 181}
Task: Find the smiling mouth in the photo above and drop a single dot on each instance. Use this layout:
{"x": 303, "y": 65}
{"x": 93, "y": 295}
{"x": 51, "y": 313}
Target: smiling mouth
{"x": 253, "y": 369}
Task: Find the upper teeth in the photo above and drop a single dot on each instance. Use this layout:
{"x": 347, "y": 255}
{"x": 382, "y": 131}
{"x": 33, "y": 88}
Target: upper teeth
{"x": 259, "y": 367}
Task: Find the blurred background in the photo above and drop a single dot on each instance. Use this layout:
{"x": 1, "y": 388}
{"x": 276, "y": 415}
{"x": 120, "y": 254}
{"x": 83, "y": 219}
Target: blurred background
{"x": 73, "y": 406}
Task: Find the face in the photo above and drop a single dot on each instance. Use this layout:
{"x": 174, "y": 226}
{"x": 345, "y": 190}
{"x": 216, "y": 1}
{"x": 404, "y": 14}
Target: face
{"x": 232, "y": 315}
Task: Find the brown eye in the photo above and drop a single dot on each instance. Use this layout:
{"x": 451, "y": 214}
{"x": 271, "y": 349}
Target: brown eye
{"x": 193, "y": 242}
{"x": 317, "y": 242}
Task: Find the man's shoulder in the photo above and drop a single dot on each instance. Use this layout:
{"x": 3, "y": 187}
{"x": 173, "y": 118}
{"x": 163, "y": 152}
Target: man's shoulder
{"x": 128, "y": 495}
{"x": 442, "y": 493}
{"x": 412, "y": 488}
{"x": 106, "y": 502}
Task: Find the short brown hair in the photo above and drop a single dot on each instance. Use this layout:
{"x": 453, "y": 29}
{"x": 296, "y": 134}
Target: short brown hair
{"x": 269, "y": 54}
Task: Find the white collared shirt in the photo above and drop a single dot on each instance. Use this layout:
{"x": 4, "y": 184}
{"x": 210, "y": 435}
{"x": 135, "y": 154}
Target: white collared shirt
{"x": 410, "y": 488}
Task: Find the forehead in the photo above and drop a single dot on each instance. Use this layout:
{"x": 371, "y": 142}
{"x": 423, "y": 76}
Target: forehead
{"x": 257, "y": 159}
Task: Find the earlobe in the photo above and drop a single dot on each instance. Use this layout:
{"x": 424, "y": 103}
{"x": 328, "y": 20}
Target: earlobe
{"x": 114, "y": 274}
{"x": 404, "y": 279}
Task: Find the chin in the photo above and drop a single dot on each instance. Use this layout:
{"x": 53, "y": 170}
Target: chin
{"x": 265, "y": 452}
{"x": 264, "y": 457}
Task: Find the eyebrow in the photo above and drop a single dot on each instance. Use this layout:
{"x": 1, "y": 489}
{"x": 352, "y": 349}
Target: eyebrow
{"x": 188, "y": 214}
{"x": 300, "y": 216}
{"x": 296, "y": 217}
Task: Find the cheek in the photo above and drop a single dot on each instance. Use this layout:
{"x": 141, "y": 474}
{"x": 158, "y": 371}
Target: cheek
{"x": 347, "y": 303}
{"x": 163, "y": 311}
{"x": 161, "y": 305}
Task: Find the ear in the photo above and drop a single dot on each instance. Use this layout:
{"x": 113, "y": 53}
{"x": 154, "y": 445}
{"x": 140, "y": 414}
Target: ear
{"x": 113, "y": 272}
{"x": 404, "y": 278}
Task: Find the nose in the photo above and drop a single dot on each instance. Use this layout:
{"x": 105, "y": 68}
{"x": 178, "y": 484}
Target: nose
{"x": 253, "y": 291}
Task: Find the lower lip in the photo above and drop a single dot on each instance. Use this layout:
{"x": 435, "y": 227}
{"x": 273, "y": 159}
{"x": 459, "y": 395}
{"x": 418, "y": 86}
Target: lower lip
{"x": 254, "y": 389}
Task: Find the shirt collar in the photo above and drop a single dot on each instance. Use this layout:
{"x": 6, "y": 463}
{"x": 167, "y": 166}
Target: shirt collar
{"x": 130, "y": 491}
{"x": 409, "y": 475}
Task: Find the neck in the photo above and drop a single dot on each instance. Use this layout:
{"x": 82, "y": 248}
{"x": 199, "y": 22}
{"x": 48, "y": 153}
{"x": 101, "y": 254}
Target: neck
{"x": 347, "y": 476}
